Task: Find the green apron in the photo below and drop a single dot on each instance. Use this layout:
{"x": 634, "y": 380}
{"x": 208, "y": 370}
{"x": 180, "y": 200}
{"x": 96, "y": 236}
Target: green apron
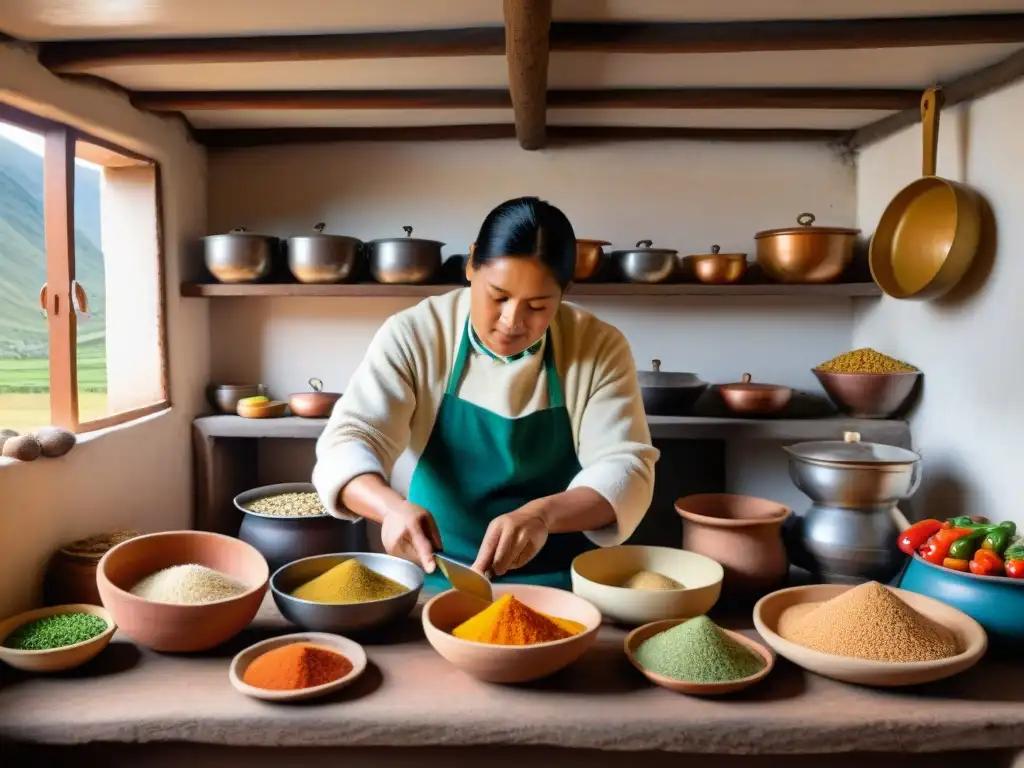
{"x": 478, "y": 465}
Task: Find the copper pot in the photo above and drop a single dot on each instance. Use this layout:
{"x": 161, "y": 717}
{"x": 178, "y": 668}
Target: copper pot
{"x": 747, "y": 397}
{"x": 589, "y": 255}
{"x": 717, "y": 268}
{"x": 805, "y": 254}
{"x": 313, "y": 405}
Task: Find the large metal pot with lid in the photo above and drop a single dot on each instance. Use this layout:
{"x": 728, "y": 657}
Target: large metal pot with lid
{"x": 805, "y": 253}
{"x": 644, "y": 264}
{"x": 239, "y": 256}
{"x": 404, "y": 259}
{"x": 320, "y": 258}
{"x": 667, "y": 393}
{"x": 849, "y": 534}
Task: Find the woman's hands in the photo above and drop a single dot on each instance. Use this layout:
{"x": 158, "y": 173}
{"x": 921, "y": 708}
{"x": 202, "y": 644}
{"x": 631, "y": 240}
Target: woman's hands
{"x": 409, "y": 531}
{"x": 512, "y": 540}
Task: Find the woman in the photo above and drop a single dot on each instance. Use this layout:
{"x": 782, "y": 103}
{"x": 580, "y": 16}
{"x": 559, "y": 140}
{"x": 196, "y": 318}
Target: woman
{"x": 495, "y": 424}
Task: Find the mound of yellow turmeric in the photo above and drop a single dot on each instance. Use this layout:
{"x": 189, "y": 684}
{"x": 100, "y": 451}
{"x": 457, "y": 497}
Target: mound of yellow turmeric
{"x": 508, "y": 621}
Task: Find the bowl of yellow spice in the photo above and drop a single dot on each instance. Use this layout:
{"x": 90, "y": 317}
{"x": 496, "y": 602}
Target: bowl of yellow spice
{"x": 346, "y": 592}
{"x": 526, "y": 633}
{"x": 867, "y": 384}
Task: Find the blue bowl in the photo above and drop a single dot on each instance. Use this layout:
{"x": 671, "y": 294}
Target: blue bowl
{"x": 995, "y": 602}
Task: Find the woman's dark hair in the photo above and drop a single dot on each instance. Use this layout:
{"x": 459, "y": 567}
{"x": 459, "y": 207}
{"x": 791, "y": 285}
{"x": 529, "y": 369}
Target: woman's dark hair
{"x": 529, "y": 227}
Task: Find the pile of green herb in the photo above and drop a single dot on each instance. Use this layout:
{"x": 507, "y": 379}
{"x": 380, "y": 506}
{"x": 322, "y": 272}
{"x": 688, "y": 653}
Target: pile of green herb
{"x": 55, "y": 631}
{"x": 697, "y": 651}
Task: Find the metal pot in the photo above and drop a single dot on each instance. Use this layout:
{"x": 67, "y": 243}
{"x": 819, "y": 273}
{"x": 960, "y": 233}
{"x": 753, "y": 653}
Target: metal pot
{"x": 717, "y": 268}
{"x": 239, "y": 256}
{"x": 404, "y": 259}
{"x": 849, "y": 534}
{"x": 669, "y": 394}
{"x": 225, "y": 397}
{"x": 645, "y": 264}
{"x": 321, "y": 258}
{"x": 748, "y": 397}
{"x": 313, "y": 405}
{"x": 805, "y": 254}
{"x": 589, "y": 254}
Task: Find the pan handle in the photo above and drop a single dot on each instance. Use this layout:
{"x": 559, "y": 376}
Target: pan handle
{"x": 931, "y": 105}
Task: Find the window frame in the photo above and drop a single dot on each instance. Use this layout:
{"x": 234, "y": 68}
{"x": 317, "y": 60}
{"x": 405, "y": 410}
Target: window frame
{"x": 61, "y": 147}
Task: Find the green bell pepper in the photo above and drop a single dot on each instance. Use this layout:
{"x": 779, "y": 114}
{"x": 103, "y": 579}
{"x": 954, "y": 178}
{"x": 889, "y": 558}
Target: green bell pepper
{"x": 999, "y": 537}
{"x": 965, "y": 547}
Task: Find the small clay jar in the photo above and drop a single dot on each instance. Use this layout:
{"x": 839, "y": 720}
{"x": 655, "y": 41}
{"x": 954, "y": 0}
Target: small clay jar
{"x": 71, "y": 575}
{"x": 743, "y": 534}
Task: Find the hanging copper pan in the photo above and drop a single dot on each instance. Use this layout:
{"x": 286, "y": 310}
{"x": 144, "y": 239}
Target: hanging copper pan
{"x": 929, "y": 233}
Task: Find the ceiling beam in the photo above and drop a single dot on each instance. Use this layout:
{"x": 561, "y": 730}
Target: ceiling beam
{"x": 230, "y": 138}
{"x": 786, "y": 35}
{"x": 638, "y": 37}
{"x": 527, "y": 23}
{"x": 966, "y": 88}
{"x": 498, "y": 98}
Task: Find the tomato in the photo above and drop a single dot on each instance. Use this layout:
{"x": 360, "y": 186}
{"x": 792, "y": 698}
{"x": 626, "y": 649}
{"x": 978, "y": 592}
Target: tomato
{"x": 986, "y": 563}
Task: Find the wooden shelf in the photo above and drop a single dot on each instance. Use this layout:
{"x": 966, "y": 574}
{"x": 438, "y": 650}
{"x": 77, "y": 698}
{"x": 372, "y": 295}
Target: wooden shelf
{"x": 835, "y": 290}
{"x": 888, "y": 431}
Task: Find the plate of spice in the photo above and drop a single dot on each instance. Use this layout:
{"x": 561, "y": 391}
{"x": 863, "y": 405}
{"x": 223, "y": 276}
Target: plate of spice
{"x": 297, "y": 667}
{"x": 697, "y": 657}
{"x": 869, "y": 634}
{"x": 56, "y": 638}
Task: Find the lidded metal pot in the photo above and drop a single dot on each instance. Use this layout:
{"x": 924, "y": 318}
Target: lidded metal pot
{"x": 849, "y": 534}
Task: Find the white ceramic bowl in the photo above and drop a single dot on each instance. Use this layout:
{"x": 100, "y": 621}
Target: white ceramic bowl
{"x": 597, "y": 574}
{"x": 55, "y": 659}
{"x": 347, "y": 648}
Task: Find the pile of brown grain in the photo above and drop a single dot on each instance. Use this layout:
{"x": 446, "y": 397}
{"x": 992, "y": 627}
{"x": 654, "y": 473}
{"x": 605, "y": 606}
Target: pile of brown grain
{"x": 867, "y": 622}
{"x": 865, "y": 360}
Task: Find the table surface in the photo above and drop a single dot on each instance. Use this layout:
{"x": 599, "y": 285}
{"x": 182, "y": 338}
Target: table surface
{"x": 410, "y": 696}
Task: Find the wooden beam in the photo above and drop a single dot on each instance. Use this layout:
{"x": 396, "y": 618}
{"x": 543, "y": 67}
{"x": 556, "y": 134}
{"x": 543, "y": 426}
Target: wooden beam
{"x": 526, "y": 49}
{"x": 231, "y": 138}
{"x": 786, "y": 35}
{"x": 966, "y": 88}
{"x": 737, "y": 98}
{"x": 77, "y": 55}
{"x": 450, "y": 98}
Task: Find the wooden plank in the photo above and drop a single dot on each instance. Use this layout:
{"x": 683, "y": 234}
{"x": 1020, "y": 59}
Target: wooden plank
{"x": 438, "y": 98}
{"x": 272, "y": 290}
{"x": 526, "y": 50}
{"x": 786, "y": 35}
{"x": 577, "y": 134}
{"x": 966, "y": 88}
{"x": 71, "y": 56}
{"x": 737, "y": 98}
{"x": 59, "y": 227}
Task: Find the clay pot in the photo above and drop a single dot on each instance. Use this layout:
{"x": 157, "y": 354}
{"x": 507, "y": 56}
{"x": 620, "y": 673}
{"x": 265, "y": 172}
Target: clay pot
{"x": 744, "y": 534}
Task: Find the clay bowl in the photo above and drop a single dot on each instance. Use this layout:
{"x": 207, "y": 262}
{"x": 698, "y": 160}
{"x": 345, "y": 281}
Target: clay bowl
{"x": 744, "y": 534}
{"x": 181, "y": 628}
{"x": 596, "y": 576}
{"x": 346, "y": 617}
{"x": 57, "y": 659}
{"x": 868, "y": 395}
{"x": 271, "y": 410}
{"x": 509, "y": 663}
{"x": 749, "y": 398}
{"x": 636, "y": 638}
{"x": 351, "y": 650}
{"x": 969, "y": 635}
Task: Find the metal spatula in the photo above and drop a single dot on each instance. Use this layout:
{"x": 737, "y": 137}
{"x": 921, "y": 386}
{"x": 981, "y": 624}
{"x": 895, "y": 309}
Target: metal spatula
{"x": 464, "y": 578}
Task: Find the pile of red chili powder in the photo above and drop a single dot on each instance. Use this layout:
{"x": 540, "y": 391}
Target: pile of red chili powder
{"x": 295, "y": 666}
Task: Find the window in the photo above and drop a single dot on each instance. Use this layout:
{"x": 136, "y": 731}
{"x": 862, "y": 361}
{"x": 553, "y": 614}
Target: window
{"x": 81, "y": 279}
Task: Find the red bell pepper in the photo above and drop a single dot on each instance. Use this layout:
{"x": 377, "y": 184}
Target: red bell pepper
{"x": 936, "y": 549}
{"x": 956, "y": 564}
{"x": 986, "y": 563}
{"x": 913, "y": 537}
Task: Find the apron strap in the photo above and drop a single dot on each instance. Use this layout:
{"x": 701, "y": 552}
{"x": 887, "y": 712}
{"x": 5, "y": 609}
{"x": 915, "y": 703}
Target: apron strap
{"x": 460, "y": 362}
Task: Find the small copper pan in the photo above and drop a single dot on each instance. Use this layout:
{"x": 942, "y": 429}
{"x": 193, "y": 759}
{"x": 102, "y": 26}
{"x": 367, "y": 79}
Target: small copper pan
{"x": 746, "y": 397}
{"x": 313, "y": 405}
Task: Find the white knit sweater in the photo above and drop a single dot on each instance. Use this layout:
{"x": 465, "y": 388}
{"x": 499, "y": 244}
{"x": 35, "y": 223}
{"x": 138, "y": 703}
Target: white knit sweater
{"x": 384, "y": 420}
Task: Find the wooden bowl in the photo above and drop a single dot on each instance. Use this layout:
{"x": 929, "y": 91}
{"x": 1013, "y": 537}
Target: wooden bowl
{"x": 56, "y": 659}
{"x": 969, "y": 636}
{"x": 509, "y": 663}
{"x": 181, "y": 628}
{"x": 350, "y": 649}
{"x": 596, "y": 576}
{"x": 271, "y": 410}
{"x": 635, "y": 638}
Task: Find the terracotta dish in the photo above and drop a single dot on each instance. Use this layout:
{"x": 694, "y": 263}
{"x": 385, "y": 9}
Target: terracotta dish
{"x": 350, "y": 649}
{"x": 749, "y": 398}
{"x": 969, "y": 634}
{"x": 635, "y": 638}
{"x": 509, "y": 663}
{"x": 313, "y": 405}
{"x": 744, "y": 534}
{"x": 270, "y": 410}
{"x": 57, "y": 659}
{"x": 181, "y": 628}
{"x": 598, "y": 574}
